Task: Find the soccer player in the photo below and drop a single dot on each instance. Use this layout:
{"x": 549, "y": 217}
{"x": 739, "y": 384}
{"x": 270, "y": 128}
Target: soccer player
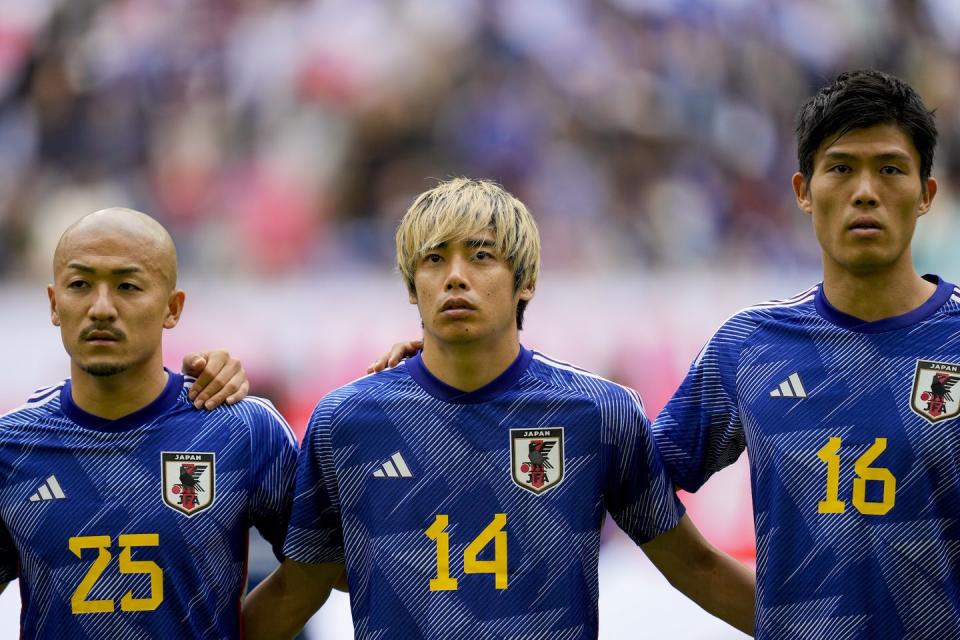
{"x": 465, "y": 489}
{"x": 845, "y": 395}
{"x": 124, "y": 510}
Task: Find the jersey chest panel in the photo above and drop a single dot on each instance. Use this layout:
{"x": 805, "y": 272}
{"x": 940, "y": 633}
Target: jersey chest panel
{"x": 120, "y": 533}
{"x": 491, "y": 510}
{"x": 855, "y": 461}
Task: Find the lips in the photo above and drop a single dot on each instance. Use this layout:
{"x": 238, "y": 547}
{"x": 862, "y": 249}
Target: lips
{"x": 864, "y": 223}
{"x": 101, "y": 335}
{"x": 454, "y": 304}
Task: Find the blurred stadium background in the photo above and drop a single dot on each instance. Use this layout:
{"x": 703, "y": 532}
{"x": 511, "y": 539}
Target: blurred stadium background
{"x": 280, "y": 141}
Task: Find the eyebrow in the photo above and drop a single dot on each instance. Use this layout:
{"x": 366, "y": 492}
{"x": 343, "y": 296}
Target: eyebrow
{"x": 479, "y": 242}
{"x": 121, "y": 271}
{"x": 470, "y": 242}
{"x": 889, "y": 155}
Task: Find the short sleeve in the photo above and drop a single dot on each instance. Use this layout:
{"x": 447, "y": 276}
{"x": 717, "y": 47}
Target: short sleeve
{"x": 272, "y": 473}
{"x": 315, "y": 534}
{"x": 637, "y": 491}
{"x": 699, "y": 432}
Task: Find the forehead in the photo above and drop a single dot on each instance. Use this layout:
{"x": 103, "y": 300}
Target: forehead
{"x": 107, "y": 251}
{"x": 469, "y": 237}
{"x": 881, "y": 139}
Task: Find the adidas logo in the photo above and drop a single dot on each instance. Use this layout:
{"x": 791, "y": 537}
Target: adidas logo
{"x": 790, "y": 388}
{"x": 49, "y": 490}
{"x": 395, "y": 467}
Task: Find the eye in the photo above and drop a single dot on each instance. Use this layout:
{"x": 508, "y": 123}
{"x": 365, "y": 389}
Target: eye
{"x": 842, "y": 169}
{"x": 77, "y": 284}
{"x": 432, "y": 257}
{"x": 483, "y": 255}
{"x": 890, "y": 170}
{"x": 128, "y": 286}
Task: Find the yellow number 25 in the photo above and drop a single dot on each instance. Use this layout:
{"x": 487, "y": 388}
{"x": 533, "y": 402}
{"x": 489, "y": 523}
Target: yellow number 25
{"x": 79, "y": 602}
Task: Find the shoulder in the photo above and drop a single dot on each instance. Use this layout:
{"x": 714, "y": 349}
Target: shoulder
{"x": 43, "y": 401}
{"x": 257, "y": 414}
{"x": 566, "y": 379}
{"x": 749, "y": 318}
{"x": 740, "y": 326}
{"x": 952, "y": 306}
{"x": 370, "y": 387}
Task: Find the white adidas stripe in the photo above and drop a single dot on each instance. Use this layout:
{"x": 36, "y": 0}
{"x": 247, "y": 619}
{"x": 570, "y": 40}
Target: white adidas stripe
{"x": 395, "y": 467}
{"x": 790, "y": 388}
{"x": 49, "y": 490}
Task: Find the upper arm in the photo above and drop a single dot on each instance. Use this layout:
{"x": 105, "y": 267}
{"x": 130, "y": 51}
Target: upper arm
{"x": 305, "y": 586}
{"x": 273, "y": 469}
{"x": 315, "y": 534}
{"x": 679, "y": 550}
{"x": 281, "y": 605}
{"x": 699, "y": 431}
{"x": 637, "y": 491}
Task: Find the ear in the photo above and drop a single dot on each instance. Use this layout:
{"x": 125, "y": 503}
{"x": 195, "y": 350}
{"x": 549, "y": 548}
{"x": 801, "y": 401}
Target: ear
{"x": 174, "y": 308}
{"x": 801, "y": 190}
{"x": 927, "y": 196}
{"x": 54, "y": 316}
{"x": 526, "y": 293}
{"x": 411, "y": 295}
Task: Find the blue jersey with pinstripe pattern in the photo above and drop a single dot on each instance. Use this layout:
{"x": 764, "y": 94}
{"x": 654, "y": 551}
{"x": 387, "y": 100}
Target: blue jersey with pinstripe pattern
{"x": 137, "y": 528}
{"x": 853, "y": 430}
{"x": 476, "y": 515}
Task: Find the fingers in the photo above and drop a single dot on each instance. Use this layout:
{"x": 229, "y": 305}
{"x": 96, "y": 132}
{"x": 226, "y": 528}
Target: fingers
{"x": 240, "y": 394}
{"x": 224, "y": 380}
{"x": 193, "y": 363}
{"x": 403, "y": 350}
{"x": 379, "y": 364}
{"x": 398, "y": 352}
{"x": 202, "y": 370}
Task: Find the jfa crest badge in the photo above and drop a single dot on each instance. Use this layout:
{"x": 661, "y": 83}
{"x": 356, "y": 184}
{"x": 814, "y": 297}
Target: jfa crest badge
{"x": 188, "y": 481}
{"x": 536, "y": 458}
{"x": 933, "y": 395}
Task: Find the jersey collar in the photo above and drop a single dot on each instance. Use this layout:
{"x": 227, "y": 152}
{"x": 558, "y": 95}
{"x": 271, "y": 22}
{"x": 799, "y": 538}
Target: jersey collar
{"x": 924, "y": 311}
{"x": 130, "y": 421}
{"x": 442, "y": 391}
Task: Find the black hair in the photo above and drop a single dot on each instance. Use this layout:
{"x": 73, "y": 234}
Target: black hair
{"x": 861, "y": 99}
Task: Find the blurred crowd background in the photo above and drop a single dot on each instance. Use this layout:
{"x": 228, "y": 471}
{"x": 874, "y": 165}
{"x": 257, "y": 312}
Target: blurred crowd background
{"x": 280, "y": 141}
{"x": 288, "y": 136}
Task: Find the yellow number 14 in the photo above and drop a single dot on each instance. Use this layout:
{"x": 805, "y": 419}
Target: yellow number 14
{"x": 495, "y": 532}
{"x": 830, "y": 454}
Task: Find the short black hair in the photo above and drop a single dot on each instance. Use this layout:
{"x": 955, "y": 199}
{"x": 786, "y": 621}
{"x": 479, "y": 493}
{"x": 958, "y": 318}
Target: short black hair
{"x": 861, "y": 99}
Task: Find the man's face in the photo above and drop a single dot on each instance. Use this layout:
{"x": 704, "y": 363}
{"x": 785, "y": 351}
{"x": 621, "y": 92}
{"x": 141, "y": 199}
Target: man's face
{"x": 465, "y": 292}
{"x": 111, "y": 301}
{"x": 865, "y": 196}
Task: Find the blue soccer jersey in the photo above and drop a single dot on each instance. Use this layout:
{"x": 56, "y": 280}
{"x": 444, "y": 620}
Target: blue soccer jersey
{"x": 137, "y": 528}
{"x": 854, "y": 440}
{"x": 476, "y": 515}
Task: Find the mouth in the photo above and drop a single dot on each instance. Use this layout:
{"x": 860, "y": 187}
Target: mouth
{"x": 457, "y": 308}
{"x": 865, "y": 226}
{"x": 101, "y": 336}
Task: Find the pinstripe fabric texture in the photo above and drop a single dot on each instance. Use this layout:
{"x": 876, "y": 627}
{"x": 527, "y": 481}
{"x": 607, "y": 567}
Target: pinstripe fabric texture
{"x": 110, "y": 476}
{"x": 457, "y": 450}
{"x": 856, "y": 495}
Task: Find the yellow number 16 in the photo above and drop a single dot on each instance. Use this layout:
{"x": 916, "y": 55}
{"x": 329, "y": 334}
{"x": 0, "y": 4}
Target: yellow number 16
{"x": 830, "y": 453}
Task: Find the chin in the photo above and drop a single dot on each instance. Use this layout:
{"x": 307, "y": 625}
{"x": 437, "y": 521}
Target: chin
{"x": 103, "y": 369}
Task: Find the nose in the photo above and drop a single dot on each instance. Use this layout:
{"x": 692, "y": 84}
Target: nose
{"x": 102, "y": 307}
{"x": 865, "y": 194}
{"x": 456, "y": 274}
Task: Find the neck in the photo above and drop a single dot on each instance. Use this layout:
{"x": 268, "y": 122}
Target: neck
{"x": 875, "y": 295}
{"x": 468, "y": 366}
{"x": 116, "y": 396}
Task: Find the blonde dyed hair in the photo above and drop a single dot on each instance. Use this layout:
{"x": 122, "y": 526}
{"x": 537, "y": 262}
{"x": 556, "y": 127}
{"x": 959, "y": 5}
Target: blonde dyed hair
{"x": 459, "y": 208}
